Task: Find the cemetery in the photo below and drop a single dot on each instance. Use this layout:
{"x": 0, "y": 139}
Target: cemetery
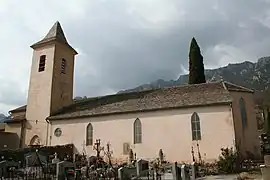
{"x": 39, "y": 164}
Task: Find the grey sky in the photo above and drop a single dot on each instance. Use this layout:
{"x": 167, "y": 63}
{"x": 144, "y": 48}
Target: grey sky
{"x": 125, "y": 43}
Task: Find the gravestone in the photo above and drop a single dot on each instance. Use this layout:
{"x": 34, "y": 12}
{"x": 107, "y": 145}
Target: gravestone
{"x": 7, "y": 168}
{"x": 53, "y": 165}
{"x": 27, "y": 160}
{"x": 125, "y": 173}
{"x": 194, "y": 170}
{"x": 130, "y": 157}
{"x": 185, "y": 172}
{"x": 34, "y": 159}
{"x": 265, "y": 140}
{"x": 121, "y": 173}
{"x": 55, "y": 160}
{"x": 142, "y": 167}
{"x": 176, "y": 171}
{"x": 65, "y": 170}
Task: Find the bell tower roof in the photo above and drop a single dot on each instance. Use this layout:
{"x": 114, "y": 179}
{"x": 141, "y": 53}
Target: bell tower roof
{"x": 56, "y": 33}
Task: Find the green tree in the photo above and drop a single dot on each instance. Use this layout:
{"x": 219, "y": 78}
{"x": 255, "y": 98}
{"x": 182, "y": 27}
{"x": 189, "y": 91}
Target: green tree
{"x": 196, "y": 66}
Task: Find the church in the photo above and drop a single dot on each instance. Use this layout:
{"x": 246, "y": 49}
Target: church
{"x": 184, "y": 121}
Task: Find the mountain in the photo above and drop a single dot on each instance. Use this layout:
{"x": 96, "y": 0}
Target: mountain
{"x": 252, "y": 75}
{"x": 2, "y": 117}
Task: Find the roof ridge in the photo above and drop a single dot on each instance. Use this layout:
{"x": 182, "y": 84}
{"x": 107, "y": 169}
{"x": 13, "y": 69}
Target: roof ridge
{"x": 147, "y": 90}
{"x": 224, "y": 85}
{"x": 242, "y": 87}
{"x": 185, "y": 85}
{"x": 82, "y": 101}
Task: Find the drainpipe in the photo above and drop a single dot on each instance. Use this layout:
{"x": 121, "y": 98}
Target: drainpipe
{"x": 47, "y": 133}
{"x": 233, "y": 126}
{"x": 236, "y": 145}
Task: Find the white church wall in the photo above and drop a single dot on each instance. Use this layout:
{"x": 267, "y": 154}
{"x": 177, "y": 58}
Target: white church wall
{"x": 169, "y": 130}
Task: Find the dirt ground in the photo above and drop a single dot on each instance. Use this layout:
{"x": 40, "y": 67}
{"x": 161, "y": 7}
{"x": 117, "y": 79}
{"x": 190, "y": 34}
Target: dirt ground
{"x": 232, "y": 177}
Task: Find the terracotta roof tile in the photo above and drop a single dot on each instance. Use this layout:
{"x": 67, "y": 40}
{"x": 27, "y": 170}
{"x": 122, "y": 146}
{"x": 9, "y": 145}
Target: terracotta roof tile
{"x": 173, "y": 97}
{"x": 15, "y": 119}
{"x": 19, "y": 109}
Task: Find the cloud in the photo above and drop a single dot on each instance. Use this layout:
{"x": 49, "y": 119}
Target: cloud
{"x": 125, "y": 43}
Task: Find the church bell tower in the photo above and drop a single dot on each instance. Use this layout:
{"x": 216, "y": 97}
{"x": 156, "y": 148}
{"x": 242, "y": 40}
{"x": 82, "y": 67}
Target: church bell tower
{"x": 51, "y": 82}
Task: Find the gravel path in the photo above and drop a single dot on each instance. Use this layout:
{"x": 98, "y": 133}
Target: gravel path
{"x": 229, "y": 177}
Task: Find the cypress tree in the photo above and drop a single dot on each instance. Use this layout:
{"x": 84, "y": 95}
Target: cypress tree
{"x": 196, "y": 66}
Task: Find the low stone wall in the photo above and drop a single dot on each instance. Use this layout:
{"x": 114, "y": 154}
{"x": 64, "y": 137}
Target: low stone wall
{"x": 9, "y": 140}
{"x": 48, "y": 151}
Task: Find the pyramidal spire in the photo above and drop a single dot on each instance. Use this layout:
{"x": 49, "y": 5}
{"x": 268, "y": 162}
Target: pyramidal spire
{"x": 56, "y": 32}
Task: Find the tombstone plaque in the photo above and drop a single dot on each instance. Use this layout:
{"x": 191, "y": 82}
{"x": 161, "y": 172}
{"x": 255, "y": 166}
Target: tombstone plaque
{"x": 65, "y": 170}
{"x": 142, "y": 167}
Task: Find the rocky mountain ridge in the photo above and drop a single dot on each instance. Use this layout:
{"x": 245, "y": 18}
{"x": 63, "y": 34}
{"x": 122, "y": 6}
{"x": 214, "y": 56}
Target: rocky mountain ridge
{"x": 2, "y": 117}
{"x": 252, "y": 75}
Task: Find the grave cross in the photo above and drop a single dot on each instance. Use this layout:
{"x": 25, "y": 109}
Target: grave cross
{"x": 55, "y": 159}
{"x": 83, "y": 146}
{"x": 98, "y": 148}
{"x": 161, "y": 156}
{"x": 109, "y": 153}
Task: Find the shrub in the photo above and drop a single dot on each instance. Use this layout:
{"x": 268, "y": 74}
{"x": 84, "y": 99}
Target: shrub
{"x": 228, "y": 161}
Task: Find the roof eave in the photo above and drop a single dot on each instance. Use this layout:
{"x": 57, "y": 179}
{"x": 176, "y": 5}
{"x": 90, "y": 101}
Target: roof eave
{"x": 52, "y": 41}
{"x": 238, "y": 90}
{"x": 14, "y": 121}
{"x": 13, "y": 111}
{"x": 17, "y": 110}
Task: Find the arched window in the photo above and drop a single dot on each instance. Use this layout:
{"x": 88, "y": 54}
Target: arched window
{"x": 89, "y": 134}
{"x": 137, "y": 131}
{"x": 195, "y": 127}
{"x": 42, "y": 62}
{"x": 242, "y": 107}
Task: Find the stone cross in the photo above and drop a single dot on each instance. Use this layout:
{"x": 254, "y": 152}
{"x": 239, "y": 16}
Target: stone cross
{"x": 83, "y": 147}
{"x": 161, "y": 156}
{"x": 55, "y": 159}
